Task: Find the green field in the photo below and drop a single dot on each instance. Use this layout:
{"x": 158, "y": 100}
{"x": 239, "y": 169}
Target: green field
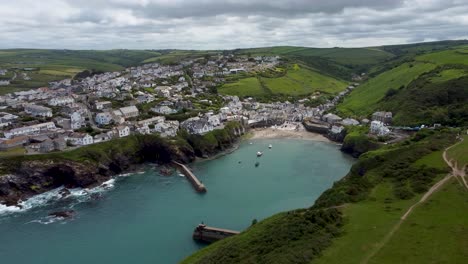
{"x": 456, "y": 56}
{"x": 52, "y": 65}
{"x": 449, "y": 74}
{"x": 364, "y": 100}
{"x": 435, "y": 232}
{"x": 298, "y": 81}
{"x": 244, "y": 87}
{"x": 352, "y": 56}
{"x": 367, "y": 223}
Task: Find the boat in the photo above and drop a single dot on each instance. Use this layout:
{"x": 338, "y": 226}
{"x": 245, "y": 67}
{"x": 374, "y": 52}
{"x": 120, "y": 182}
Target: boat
{"x": 257, "y": 163}
{"x": 259, "y": 153}
{"x": 270, "y": 146}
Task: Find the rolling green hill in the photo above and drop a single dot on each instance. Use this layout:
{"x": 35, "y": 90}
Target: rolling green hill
{"x": 51, "y": 65}
{"x": 430, "y": 88}
{"x": 294, "y": 80}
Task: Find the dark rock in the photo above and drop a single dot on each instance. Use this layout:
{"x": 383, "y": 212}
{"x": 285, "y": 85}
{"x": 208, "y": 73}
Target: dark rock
{"x": 63, "y": 214}
{"x": 64, "y": 193}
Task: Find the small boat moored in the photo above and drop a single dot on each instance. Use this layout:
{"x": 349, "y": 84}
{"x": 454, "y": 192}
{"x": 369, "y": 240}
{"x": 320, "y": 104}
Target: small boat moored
{"x": 259, "y": 153}
{"x": 270, "y": 146}
{"x": 257, "y": 163}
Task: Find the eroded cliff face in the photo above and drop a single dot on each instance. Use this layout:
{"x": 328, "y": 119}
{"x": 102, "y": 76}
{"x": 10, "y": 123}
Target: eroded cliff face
{"x": 34, "y": 177}
{"x": 28, "y": 178}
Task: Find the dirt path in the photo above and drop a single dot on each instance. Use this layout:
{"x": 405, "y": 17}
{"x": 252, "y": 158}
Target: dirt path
{"x": 455, "y": 172}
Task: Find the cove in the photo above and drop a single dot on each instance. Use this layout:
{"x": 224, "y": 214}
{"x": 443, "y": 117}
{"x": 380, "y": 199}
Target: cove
{"x": 149, "y": 218}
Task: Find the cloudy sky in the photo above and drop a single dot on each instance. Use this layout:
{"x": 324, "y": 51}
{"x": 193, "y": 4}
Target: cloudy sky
{"x": 227, "y": 24}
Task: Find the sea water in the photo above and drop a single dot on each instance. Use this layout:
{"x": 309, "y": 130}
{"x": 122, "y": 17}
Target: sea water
{"x": 149, "y": 218}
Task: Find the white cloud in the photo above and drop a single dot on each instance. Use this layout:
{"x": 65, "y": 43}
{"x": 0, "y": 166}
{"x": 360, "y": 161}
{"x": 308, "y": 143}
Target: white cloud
{"x": 226, "y": 24}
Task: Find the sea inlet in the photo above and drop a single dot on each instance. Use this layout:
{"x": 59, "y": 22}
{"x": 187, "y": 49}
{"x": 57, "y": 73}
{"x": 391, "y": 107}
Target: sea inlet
{"x": 149, "y": 218}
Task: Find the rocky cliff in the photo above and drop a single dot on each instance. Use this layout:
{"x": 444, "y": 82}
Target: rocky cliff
{"x": 86, "y": 167}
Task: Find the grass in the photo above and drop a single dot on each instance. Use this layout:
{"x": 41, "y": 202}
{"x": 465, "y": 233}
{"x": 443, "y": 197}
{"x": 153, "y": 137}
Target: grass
{"x": 364, "y": 100}
{"x": 12, "y": 152}
{"x": 370, "y": 220}
{"x": 433, "y": 160}
{"x": 435, "y": 232}
{"x": 367, "y": 223}
{"x": 460, "y": 152}
{"x": 298, "y": 81}
{"x": 244, "y": 87}
{"x": 455, "y": 56}
{"x": 449, "y": 74}
{"x": 59, "y": 64}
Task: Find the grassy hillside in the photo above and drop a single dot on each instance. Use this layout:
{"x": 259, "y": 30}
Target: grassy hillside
{"x": 364, "y": 100}
{"x": 459, "y": 153}
{"x": 430, "y": 88}
{"x": 370, "y": 200}
{"x": 51, "y": 65}
{"x": 435, "y": 232}
{"x": 294, "y": 80}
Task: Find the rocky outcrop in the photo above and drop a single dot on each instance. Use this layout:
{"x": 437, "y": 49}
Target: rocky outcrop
{"x": 31, "y": 176}
{"x": 34, "y": 177}
{"x": 63, "y": 214}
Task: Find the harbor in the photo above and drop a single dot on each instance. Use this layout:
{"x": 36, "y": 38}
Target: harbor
{"x": 153, "y": 216}
{"x": 196, "y": 183}
{"x": 208, "y": 234}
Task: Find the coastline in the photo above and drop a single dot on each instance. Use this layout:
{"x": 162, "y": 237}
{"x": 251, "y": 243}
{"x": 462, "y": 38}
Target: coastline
{"x": 291, "y": 130}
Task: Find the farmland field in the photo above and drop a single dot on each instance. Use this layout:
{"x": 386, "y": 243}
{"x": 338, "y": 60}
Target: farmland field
{"x": 244, "y": 87}
{"x": 298, "y": 81}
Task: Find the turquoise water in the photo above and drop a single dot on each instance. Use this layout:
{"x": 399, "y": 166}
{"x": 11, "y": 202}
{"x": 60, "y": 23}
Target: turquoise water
{"x": 149, "y": 218}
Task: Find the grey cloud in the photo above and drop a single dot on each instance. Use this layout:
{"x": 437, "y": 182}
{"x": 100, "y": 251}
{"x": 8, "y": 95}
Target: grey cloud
{"x": 211, "y": 24}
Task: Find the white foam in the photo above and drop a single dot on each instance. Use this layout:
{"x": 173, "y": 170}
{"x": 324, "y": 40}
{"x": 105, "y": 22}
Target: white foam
{"x": 48, "y": 220}
{"x": 54, "y": 195}
{"x": 8, "y": 209}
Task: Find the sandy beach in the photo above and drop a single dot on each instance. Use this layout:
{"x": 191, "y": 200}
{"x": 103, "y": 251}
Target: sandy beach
{"x": 291, "y": 130}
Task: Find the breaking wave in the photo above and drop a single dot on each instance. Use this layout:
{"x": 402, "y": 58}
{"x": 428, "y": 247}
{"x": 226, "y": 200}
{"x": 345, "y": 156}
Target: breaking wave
{"x": 43, "y": 199}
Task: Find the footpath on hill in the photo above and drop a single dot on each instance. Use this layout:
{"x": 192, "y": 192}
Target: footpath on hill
{"x": 456, "y": 172}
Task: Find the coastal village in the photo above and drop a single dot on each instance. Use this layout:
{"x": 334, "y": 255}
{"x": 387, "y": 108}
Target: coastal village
{"x": 157, "y": 99}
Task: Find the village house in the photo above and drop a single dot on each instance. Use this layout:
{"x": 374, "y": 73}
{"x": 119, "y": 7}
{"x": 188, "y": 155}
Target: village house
{"x": 80, "y": 139}
{"x": 378, "y": 128}
{"x": 7, "y": 119}
{"x": 331, "y": 118}
{"x": 151, "y": 121}
{"x": 30, "y": 130}
{"x": 129, "y": 111}
{"x": 122, "y": 131}
{"x": 163, "y": 110}
{"x": 64, "y": 123}
{"x": 102, "y": 105}
{"x": 196, "y": 125}
{"x": 384, "y": 117}
{"x": 38, "y": 110}
{"x": 167, "y": 129}
{"x": 77, "y": 121}
{"x": 13, "y": 142}
{"x": 349, "y": 122}
{"x": 103, "y": 118}
{"x": 60, "y": 101}
{"x": 103, "y": 137}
